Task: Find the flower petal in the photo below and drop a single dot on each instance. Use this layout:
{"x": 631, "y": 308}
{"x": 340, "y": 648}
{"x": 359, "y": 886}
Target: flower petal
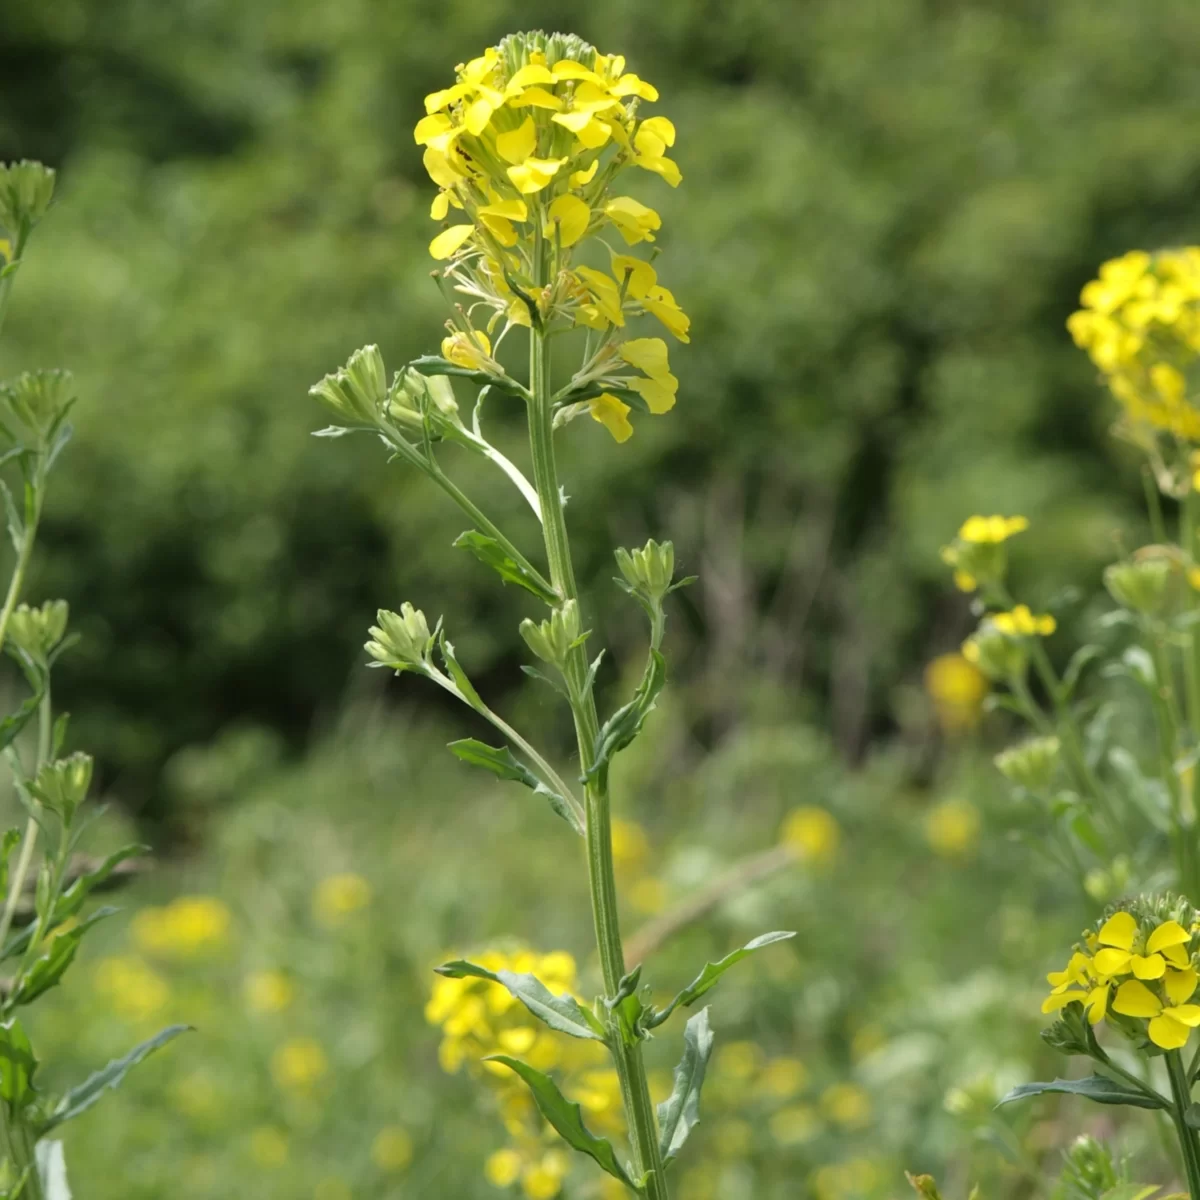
{"x": 447, "y": 243}
{"x": 1168, "y": 1033}
{"x": 1180, "y": 985}
{"x": 572, "y": 217}
{"x": 613, "y": 415}
{"x": 1169, "y": 933}
{"x": 1119, "y": 930}
{"x": 1153, "y": 966}
{"x": 1135, "y": 999}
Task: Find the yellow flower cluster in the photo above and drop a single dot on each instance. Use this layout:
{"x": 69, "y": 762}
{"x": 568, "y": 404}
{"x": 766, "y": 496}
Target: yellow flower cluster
{"x": 187, "y": 927}
{"x": 337, "y": 897}
{"x": 957, "y": 689}
{"x": 631, "y": 859}
{"x": 1021, "y": 622}
{"x": 478, "y": 1018}
{"x": 812, "y": 834}
{"x": 975, "y": 553}
{"x": 1140, "y": 323}
{"x": 1133, "y": 971}
{"x": 132, "y": 987}
{"x": 528, "y": 145}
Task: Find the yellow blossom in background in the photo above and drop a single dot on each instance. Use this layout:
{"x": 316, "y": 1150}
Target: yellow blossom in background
{"x": 991, "y": 530}
{"x": 631, "y": 847}
{"x": 131, "y": 987}
{"x": 648, "y": 895}
{"x": 840, "y": 1181}
{"x": 543, "y": 1179}
{"x": 812, "y": 834}
{"x": 846, "y": 1104}
{"x": 195, "y": 1096}
{"x": 977, "y": 553}
{"x": 952, "y": 828}
{"x": 783, "y": 1078}
{"x": 1021, "y": 622}
{"x": 300, "y": 1064}
{"x": 392, "y": 1149}
{"x": 269, "y": 1146}
{"x": 338, "y": 896}
{"x": 269, "y": 992}
{"x": 503, "y": 1168}
{"x": 794, "y": 1125}
{"x": 958, "y": 689}
{"x": 733, "y": 1138}
{"x": 188, "y": 926}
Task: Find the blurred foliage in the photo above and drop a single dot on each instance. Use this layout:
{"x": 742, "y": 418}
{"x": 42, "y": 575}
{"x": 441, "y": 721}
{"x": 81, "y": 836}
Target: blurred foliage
{"x": 888, "y": 212}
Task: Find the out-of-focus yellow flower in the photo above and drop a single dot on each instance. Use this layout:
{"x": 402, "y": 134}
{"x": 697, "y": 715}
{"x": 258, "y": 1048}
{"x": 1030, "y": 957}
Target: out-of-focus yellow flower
{"x": 298, "y": 1065}
{"x": 733, "y": 1138}
{"x": 1021, "y": 622}
{"x": 648, "y": 895}
{"x": 269, "y": 992}
{"x": 543, "y": 1180}
{"x": 782, "y": 1078}
{"x": 840, "y": 1181}
{"x": 185, "y": 928}
{"x": 392, "y": 1149}
{"x": 795, "y": 1124}
{"x": 338, "y": 896}
{"x": 952, "y": 828}
{"x": 847, "y": 1105}
{"x": 977, "y": 553}
{"x": 958, "y": 689}
{"x": 738, "y": 1060}
{"x": 132, "y": 987}
{"x": 503, "y": 1168}
{"x": 269, "y": 1146}
{"x": 991, "y": 530}
{"x": 631, "y": 847}
{"x": 812, "y": 834}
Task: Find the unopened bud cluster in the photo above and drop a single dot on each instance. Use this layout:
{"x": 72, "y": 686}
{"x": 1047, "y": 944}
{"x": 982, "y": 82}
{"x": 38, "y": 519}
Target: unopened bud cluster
{"x": 1030, "y": 764}
{"x": 1139, "y": 584}
{"x": 34, "y": 404}
{"x": 62, "y": 785}
{"x": 37, "y": 631}
{"x": 401, "y": 640}
{"x": 553, "y": 639}
{"x": 26, "y": 189}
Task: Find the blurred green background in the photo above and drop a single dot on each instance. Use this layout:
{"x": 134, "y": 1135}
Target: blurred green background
{"x": 888, "y": 209}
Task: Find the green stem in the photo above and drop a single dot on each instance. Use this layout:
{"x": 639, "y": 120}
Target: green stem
{"x": 6, "y": 284}
{"x": 1190, "y": 804}
{"x": 1181, "y": 1093}
{"x": 631, "y": 1071}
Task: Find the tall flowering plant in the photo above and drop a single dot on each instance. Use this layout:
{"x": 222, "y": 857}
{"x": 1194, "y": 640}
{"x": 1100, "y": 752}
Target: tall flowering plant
{"x": 45, "y": 881}
{"x": 532, "y": 146}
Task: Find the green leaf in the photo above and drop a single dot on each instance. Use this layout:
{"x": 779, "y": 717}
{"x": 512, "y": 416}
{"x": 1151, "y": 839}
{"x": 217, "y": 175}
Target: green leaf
{"x": 459, "y": 676}
{"x": 563, "y": 1013}
{"x": 17, "y": 1064}
{"x": 80, "y": 1099}
{"x": 1133, "y": 1191}
{"x": 492, "y": 554}
{"x": 500, "y": 761}
{"x": 680, "y": 1112}
{"x": 624, "y": 725}
{"x": 12, "y": 725}
{"x": 11, "y": 840}
{"x": 1075, "y": 668}
{"x": 71, "y": 901}
{"x": 1098, "y": 1088}
{"x": 49, "y": 967}
{"x": 712, "y": 973}
{"x": 565, "y": 1116}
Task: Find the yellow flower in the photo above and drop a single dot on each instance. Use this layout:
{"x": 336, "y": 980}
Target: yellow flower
{"x": 392, "y": 1149}
{"x": 544, "y": 1179}
{"x": 795, "y": 1124}
{"x": 952, "y": 828}
{"x": 269, "y": 992}
{"x": 338, "y": 896}
{"x": 648, "y": 895}
{"x": 185, "y": 928}
{"x": 846, "y": 1104}
{"x": 269, "y": 1146}
{"x": 631, "y": 847}
{"x": 991, "y": 530}
{"x": 783, "y": 1077}
{"x": 613, "y": 414}
{"x": 133, "y": 988}
{"x": 300, "y": 1064}
{"x": 503, "y": 1168}
{"x": 1020, "y": 622}
{"x": 812, "y": 834}
{"x": 958, "y": 689}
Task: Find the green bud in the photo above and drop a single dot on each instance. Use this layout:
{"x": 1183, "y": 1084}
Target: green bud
{"x": 36, "y": 402}
{"x": 401, "y": 640}
{"x": 996, "y": 654}
{"x": 63, "y": 784}
{"x": 1030, "y": 764}
{"x": 26, "y": 189}
{"x": 414, "y": 395}
{"x": 38, "y": 630}
{"x": 648, "y": 571}
{"x": 553, "y": 639}
{"x": 1139, "y": 584}
{"x": 357, "y": 391}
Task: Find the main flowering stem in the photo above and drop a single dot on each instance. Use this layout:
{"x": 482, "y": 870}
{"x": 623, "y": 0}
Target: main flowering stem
{"x": 639, "y": 1110}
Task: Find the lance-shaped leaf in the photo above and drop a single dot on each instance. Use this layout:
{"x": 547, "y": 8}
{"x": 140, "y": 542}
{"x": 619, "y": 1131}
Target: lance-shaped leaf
{"x": 624, "y": 725}
{"x": 499, "y": 760}
{"x": 71, "y": 901}
{"x": 712, "y": 973}
{"x": 50, "y": 966}
{"x": 80, "y": 1099}
{"x": 12, "y": 725}
{"x": 566, "y": 1116}
{"x": 458, "y": 675}
{"x": 563, "y": 1013}
{"x": 1094, "y": 1087}
{"x": 492, "y": 554}
{"x": 17, "y": 1064}
{"x": 680, "y": 1112}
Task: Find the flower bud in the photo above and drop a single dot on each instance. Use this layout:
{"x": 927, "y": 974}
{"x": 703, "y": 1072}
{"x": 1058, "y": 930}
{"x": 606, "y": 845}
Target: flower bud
{"x": 996, "y": 654}
{"x": 36, "y": 401}
{"x": 357, "y": 391}
{"x": 1030, "y": 764}
{"x": 38, "y": 630}
{"x": 401, "y": 640}
{"x": 62, "y": 785}
{"x": 648, "y": 571}
{"x": 1139, "y": 584}
{"x": 26, "y": 189}
{"x": 414, "y": 396}
{"x": 553, "y": 639}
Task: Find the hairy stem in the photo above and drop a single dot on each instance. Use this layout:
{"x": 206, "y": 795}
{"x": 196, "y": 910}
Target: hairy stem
{"x": 1181, "y": 1093}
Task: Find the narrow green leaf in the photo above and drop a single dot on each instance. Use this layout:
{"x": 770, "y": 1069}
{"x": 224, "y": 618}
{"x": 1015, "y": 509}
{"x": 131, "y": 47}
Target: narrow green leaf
{"x": 625, "y": 724}
{"x": 1075, "y": 668}
{"x": 680, "y": 1112}
{"x": 12, "y": 725}
{"x": 17, "y": 1064}
{"x": 1094, "y": 1087}
{"x": 459, "y": 676}
{"x": 500, "y": 761}
{"x": 563, "y": 1013}
{"x": 71, "y": 901}
{"x": 492, "y": 554}
{"x": 12, "y": 839}
{"x": 49, "y": 967}
{"x": 712, "y": 973}
{"x": 79, "y": 1099}
{"x": 565, "y": 1116}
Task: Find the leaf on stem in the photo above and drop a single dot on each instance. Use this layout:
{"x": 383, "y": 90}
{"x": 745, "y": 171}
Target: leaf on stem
{"x": 500, "y": 761}
{"x": 680, "y": 1112}
{"x": 79, "y": 1099}
{"x": 12, "y": 725}
{"x": 563, "y": 1013}
{"x": 17, "y": 1064}
{"x": 1098, "y": 1088}
{"x": 626, "y": 723}
{"x": 492, "y": 554}
{"x": 49, "y": 967}
{"x": 712, "y": 972}
{"x": 565, "y": 1116}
